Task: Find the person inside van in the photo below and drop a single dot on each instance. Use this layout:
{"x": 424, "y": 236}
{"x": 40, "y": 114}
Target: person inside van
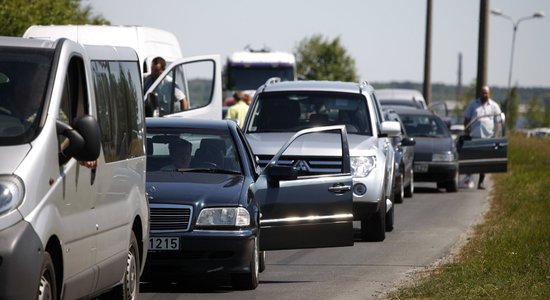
{"x": 180, "y": 153}
{"x": 158, "y": 66}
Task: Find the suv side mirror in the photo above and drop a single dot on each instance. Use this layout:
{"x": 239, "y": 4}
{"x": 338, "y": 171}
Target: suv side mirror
{"x": 408, "y": 141}
{"x": 276, "y": 173}
{"x": 390, "y": 128}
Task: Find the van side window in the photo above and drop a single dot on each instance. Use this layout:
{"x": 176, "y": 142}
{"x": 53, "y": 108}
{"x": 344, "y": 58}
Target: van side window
{"x": 74, "y": 100}
{"x": 119, "y": 105}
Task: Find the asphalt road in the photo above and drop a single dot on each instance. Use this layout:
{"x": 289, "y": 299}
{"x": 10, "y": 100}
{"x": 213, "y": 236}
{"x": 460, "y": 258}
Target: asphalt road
{"x": 428, "y": 227}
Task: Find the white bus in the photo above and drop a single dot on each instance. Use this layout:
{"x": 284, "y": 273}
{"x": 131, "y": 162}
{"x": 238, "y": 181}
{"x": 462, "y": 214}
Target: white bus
{"x": 248, "y": 70}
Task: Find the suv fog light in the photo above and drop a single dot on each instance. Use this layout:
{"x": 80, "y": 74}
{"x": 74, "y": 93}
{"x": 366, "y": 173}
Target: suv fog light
{"x": 359, "y": 189}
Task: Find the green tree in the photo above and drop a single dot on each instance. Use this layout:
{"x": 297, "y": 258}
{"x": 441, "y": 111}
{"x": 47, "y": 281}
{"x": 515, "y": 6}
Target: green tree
{"x": 464, "y": 99}
{"x": 511, "y": 108}
{"x": 535, "y": 114}
{"x": 546, "y": 102}
{"x": 318, "y": 58}
{"x": 17, "y": 15}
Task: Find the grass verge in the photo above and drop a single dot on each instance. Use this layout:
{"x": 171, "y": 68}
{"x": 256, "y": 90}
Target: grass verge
{"x": 508, "y": 256}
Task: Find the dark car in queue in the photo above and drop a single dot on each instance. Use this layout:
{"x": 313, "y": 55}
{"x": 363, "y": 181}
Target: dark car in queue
{"x": 404, "y": 159}
{"x": 438, "y": 157}
{"x": 220, "y": 212}
{"x": 435, "y": 153}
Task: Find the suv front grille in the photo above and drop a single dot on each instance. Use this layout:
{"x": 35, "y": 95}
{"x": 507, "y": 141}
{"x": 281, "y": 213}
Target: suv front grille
{"x": 170, "y": 217}
{"x": 308, "y": 165}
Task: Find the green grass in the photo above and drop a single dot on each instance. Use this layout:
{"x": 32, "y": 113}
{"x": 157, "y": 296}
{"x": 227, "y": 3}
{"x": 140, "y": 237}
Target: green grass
{"x": 508, "y": 256}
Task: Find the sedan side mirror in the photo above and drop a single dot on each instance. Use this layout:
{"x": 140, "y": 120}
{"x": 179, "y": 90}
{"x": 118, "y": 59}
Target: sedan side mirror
{"x": 151, "y": 105}
{"x": 408, "y": 141}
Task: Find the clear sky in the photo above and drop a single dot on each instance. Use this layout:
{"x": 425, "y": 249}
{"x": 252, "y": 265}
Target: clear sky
{"x": 385, "y": 37}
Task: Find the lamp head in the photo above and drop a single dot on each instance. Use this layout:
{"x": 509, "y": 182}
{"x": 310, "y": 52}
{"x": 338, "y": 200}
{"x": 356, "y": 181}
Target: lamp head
{"x": 496, "y": 12}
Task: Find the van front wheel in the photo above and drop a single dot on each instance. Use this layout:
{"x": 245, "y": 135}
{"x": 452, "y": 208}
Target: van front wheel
{"x": 47, "y": 289}
{"x": 129, "y": 289}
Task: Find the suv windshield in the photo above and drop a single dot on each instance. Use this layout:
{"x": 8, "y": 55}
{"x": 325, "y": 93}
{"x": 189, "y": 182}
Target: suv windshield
{"x": 294, "y": 111}
{"x": 23, "y": 81}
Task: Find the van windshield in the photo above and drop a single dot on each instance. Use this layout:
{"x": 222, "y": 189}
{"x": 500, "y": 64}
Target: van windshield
{"x": 23, "y": 81}
{"x": 294, "y": 111}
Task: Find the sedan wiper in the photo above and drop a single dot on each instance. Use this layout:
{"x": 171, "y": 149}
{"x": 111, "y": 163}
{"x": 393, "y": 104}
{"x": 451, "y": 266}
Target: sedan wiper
{"x": 209, "y": 170}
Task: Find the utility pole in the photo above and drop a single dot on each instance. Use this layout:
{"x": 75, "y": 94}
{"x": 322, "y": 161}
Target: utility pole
{"x": 483, "y": 39}
{"x": 427, "y": 89}
{"x": 459, "y": 75}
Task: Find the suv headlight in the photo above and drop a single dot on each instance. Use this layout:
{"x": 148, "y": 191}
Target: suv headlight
{"x": 12, "y": 191}
{"x": 443, "y": 156}
{"x": 224, "y": 216}
{"x": 361, "y": 166}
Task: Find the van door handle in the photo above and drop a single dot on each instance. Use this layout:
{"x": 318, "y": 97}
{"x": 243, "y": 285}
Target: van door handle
{"x": 339, "y": 188}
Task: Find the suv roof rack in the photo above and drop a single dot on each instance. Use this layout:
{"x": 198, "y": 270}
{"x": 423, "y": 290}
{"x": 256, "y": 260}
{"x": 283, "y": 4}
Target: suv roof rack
{"x": 362, "y": 85}
{"x": 273, "y": 80}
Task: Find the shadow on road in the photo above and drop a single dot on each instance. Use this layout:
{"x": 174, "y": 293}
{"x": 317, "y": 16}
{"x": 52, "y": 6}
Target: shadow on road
{"x": 199, "y": 285}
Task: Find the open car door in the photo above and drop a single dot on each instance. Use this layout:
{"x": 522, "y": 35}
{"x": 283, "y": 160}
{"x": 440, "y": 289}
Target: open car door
{"x": 306, "y": 211}
{"x": 482, "y": 155}
{"x": 197, "y": 79}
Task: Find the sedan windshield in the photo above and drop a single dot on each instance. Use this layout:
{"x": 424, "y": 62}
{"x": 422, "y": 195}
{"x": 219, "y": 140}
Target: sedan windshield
{"x": 424, "y": 126}
{"x": 191, "y": 150}
{"x": 294, "y": 111}
{"x": 23, "y": 81}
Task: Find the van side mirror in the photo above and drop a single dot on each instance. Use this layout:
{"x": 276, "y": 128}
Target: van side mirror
{"x": 84, "y": 139}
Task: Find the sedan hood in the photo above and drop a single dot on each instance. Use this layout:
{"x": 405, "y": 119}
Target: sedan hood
{"x": 197, "y": 189}
{"x": 12, "y": 156}
{"x": 425, "y": 147}
{"x": 322, "y": 144}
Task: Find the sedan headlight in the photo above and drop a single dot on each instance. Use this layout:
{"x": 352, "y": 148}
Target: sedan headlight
{"x": 361, "y": 166}
{"x": 443, "y": 156}
{"x": 224, "y": 216}
{"x": 12, "y": 191}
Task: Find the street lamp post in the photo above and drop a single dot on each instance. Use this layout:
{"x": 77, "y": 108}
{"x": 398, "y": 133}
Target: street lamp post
{"x": 515, "y": 24}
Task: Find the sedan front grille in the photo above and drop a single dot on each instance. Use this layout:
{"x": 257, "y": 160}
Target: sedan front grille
{"x": 170, "y": 217}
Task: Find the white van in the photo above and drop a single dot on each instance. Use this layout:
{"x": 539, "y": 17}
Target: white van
{"x": 73, "y": 210}
{"x": 147, "y": 41}
{"x": 200, "y": 81}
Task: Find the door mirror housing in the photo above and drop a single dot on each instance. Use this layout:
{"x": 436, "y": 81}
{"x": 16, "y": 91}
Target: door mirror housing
{"x": 390, "y": 128}
{"x": 276, "y": 173}
{"x": 408, "y": 141}
{"x": 151, "y": 105}
{"x": 84, "y": 139}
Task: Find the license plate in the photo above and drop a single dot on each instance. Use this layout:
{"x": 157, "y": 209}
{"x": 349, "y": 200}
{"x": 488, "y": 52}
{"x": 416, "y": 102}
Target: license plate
{"x": 419, "y": 168}
{"x": 164, "y": 243}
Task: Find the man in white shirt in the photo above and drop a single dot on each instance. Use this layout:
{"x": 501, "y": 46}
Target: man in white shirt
{"x": 485, "y": 115}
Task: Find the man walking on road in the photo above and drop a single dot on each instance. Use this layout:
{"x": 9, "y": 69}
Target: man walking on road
{"x": 482, "y": 119}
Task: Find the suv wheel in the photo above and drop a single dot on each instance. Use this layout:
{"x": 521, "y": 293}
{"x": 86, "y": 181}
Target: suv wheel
{"x": 373, "y": 229}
